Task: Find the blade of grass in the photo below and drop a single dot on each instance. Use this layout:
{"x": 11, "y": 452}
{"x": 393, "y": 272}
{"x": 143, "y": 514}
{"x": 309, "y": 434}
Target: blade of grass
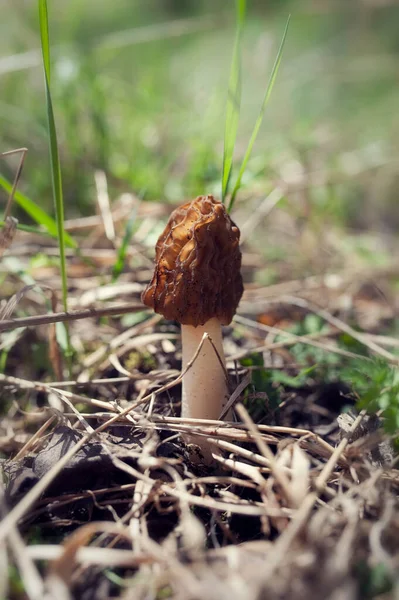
{"x": 258, "y": 122}
{"x": 35, "y": 212}
{"x": 54, "y": 157}
{"x": 120, "y": 260}
{"x": 233, "y": 100}
{"x": 55, "y": 168}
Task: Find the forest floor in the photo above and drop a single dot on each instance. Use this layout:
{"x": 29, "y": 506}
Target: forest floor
{"x": 100, "y": 497}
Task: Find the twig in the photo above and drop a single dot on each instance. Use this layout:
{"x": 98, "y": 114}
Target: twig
{"x": 107, "y": 557}
{"x": 104, "y": 204}
{"x": 339, "y": 324}
{"x": 254, "y": 509}
{"x": 247, "y": 470}
{"x": 290, "y": 339}
{"x": 23, "y": 152}
{"x": 72, "y": 315}
{"x": 248, "y": 454}
{"x": 236, "y": 394}
{"x": 278, "y": 474}
{"x": 35, "y": 437}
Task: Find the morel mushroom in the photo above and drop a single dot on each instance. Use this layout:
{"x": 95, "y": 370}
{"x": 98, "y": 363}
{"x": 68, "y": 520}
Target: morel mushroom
{"x": 197, "y": 281}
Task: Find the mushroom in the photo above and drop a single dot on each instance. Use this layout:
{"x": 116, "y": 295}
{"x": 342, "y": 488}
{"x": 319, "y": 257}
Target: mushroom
{"x": 197, "y": 281}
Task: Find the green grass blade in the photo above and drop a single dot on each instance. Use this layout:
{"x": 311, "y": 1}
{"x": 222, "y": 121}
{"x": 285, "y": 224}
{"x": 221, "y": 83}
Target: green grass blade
{"x": 36, "y": 213}
{"x": 258, "y": 123}
{"x": 120, "y": 260}
{"x": 54, "y": 157}
{"x": 44, "y": 36}
{"x": 233, "y": 100}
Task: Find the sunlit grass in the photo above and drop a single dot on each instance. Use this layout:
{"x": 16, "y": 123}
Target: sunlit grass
{"x": 168, "y": 87}
{"x": 233, "y": 100}
{"x": 55, "y": 175}
{"x": 54, "y": 156}
{"x": 233, "y": 108}
{"x": 259, "y": 120}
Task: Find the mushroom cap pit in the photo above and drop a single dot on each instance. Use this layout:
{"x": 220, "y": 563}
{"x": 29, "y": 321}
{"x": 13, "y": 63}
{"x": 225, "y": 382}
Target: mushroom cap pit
{"x": 197, "y": 265}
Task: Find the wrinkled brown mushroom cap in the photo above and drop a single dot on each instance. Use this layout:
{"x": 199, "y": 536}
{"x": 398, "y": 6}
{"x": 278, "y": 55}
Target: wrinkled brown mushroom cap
{"x": 197, "y": 265}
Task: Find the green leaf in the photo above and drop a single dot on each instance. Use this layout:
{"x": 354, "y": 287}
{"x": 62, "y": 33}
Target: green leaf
{"x": 296, "y": 381}
{"x": 54, "y": 157}
{"x": 262, "y": 380}
{"x": 375, "y": 385}
{"x": 54, "y": 160}
{"x": 62, "y": 336}
{"x": 36, "y": 213}
{"x": 233, "y": 100}
{"x": 134, "y": 318}
{"x": 44, "y": 35}
{"x": 259, "y": 120}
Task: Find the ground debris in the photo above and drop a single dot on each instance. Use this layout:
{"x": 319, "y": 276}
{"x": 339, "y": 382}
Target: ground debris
{"x": 307, "y": 517}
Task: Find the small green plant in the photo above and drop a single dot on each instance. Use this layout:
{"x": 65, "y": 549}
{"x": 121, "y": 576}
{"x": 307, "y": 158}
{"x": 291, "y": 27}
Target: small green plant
{"x": 376, "y": 386}
{"x": 374, "y": 382}
{"x": 373, "y": 580}
{"x": 263, "y": 383}
{"x": 321, "y": 363}
{"x": 293, "y": 381}
{"x": 268, "y": 385}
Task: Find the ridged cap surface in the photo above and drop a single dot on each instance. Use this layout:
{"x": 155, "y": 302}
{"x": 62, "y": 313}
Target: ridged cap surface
{"x": 197, "y": 265}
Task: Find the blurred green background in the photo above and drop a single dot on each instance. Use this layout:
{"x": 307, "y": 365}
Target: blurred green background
{"x": 139, "y": 90}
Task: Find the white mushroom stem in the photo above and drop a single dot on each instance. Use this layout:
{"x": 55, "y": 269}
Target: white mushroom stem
{"x": 205, "y": 392}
